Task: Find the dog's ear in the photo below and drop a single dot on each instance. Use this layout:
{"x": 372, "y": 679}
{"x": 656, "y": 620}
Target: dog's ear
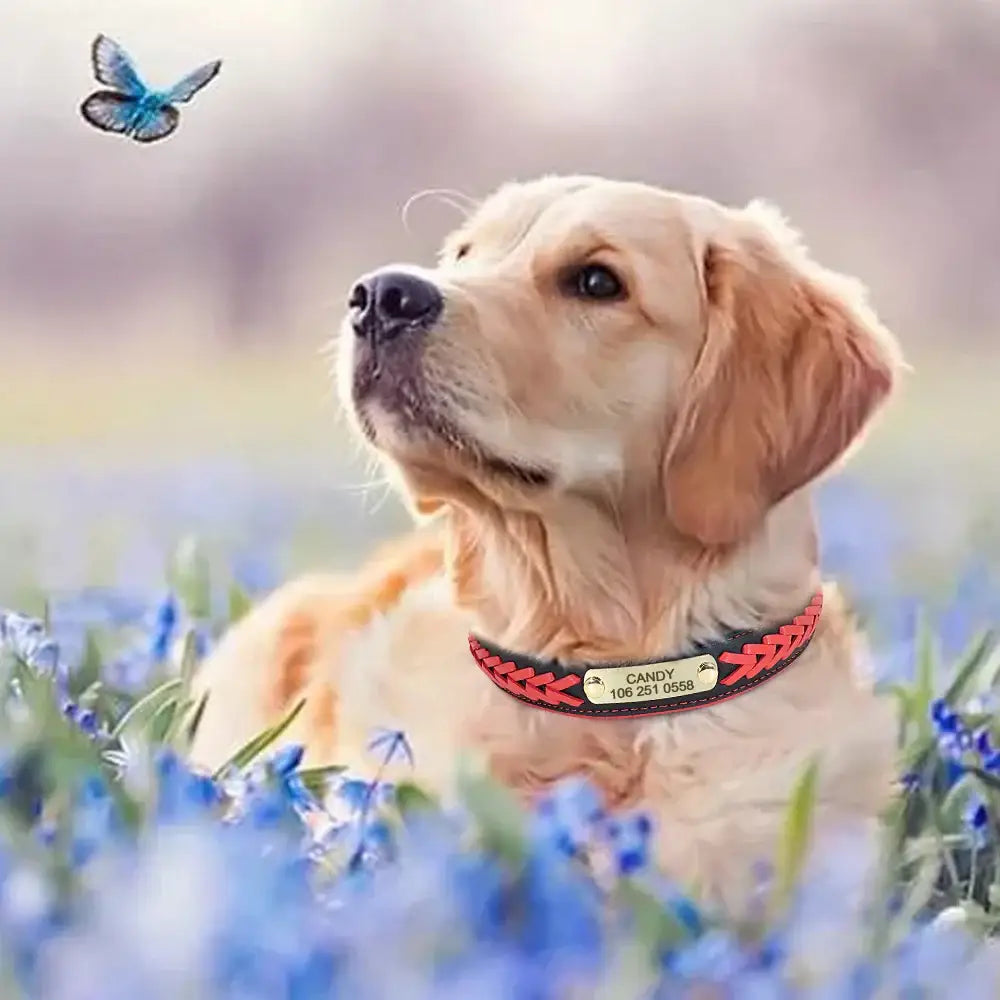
{"x": 793, "y": 365}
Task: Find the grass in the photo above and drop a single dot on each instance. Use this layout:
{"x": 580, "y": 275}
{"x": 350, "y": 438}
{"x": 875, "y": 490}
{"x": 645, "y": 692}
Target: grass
{"x": 169, "y": 403}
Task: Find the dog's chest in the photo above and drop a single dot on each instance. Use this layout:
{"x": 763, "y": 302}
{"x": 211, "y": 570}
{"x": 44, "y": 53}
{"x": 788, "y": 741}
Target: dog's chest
{"x": 411, "y": 669}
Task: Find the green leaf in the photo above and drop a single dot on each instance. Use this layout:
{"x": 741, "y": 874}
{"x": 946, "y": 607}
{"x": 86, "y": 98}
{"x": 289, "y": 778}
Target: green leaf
{"x": 970, "y": 663}
{"x": 194, "y": 718}
{"x": 919, "y": 892}
{"x": 142, "y": 713}
{"x": 916, "y": 755}
{"x": 163, "y": 720}
{"x": 653, "y": 925}
{"x": 90, "y": 697}
{"x": 255, "y": 747}
{"x": 903, "y": 696}
{"x": 496, "y": 812}
{"x": 991, "y": 780}
{"x": 189, "y": 661}
{"x": 922, "y": 693}
{"x": 239, "y": 603}
{"x": 411, "y": 798}
{"x": 905, "y": 715}
{"x": 88, "y": 673}
{"x": 190, "y": 575}
{"x": 956, "y": 797}
{"x": 925, "y": 846}
{"x": 795, "y": 836}
{"x": 316, "y": 778}
{"x": 37, "y": 690}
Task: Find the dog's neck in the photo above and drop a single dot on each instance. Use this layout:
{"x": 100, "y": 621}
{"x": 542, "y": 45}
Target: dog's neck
{"x": 583, "y": 581}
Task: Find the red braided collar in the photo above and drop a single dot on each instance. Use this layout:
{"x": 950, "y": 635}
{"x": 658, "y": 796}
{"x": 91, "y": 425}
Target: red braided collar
{"x": 709, "y": 673}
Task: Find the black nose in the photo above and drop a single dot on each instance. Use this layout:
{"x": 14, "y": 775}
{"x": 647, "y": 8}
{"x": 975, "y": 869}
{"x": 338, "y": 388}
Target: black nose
{"x": 387, "y": 303}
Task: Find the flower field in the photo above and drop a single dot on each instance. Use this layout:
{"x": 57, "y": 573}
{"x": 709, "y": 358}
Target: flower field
{"x": 173, "y": 446}
{"x": 123, "y": 874}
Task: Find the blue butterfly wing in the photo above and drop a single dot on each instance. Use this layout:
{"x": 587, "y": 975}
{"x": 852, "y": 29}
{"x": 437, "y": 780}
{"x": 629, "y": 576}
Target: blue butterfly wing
{"x": 109, "y": 111}
{"x": 157, "y": 125}
{"x": 114, "y": 68}
{"x": 192, "y": 83}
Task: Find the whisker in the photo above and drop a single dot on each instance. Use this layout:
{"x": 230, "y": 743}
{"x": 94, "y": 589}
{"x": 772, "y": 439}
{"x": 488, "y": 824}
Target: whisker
{"x": 446, "y": 195}
{"x": 386, "y": 493}
{"x": 329, "y": 347}
{"x": 362, "y": 488}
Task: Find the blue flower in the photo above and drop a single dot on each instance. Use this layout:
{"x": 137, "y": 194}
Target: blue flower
{"x": 715, "y": 957}
{"x": 977, "y": 817}
{"x": 569, "y": 815}
{"x": 279, "y": 916}
{"x": 563, "y": 910}
{"x": 682, "y": 908}
{"x": 287, "y": 759}
{"x": 182, "y": 794}
{"x": 22, "y": 784}
{"x": 202, "y": 641}
{"x": 27, "y": 639}
{"x": 953, "y": 772}
{"x": 354, "y": 792}
{"x": 269, "y": 808}
{"x": 629, "y": 836}
{"x": 129, "y": 671}
{"x": 377, "y": 836}
{"x": 392, "y": 743}
{"x": 946, "y": 721}
{"x": 85, "y": 718}
{"x": 47, "y": 833}
{"x": 299, "y": 794}
{"x": 94, "y": 820}
{"x": 283, "y": 765}
{"x": 164, "y": 627}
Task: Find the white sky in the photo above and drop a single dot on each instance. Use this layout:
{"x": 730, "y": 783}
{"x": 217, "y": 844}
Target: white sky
{"x": 277, "y": 46}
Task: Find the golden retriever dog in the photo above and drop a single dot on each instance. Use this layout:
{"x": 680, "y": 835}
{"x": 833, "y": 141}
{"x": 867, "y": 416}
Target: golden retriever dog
{"x": 606, "y": 405}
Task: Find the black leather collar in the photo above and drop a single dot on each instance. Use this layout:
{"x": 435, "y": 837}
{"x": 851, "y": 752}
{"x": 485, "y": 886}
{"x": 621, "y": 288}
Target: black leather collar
{"x": 706, "y": 674}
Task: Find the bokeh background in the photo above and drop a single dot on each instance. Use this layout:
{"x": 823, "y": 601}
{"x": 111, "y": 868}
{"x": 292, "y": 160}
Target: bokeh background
{"x": 164, "y": 307}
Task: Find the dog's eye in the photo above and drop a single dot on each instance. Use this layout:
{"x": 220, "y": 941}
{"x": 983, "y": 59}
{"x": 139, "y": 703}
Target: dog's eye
{"x": 463, "y": 251}
{"x": 595, "y": 281}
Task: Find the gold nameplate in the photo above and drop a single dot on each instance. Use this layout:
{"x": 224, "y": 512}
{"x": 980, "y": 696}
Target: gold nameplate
{"x": 669, "y": 679}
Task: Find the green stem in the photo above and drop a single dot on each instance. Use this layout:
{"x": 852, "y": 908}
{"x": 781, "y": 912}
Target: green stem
{"x": 972, "y": 868}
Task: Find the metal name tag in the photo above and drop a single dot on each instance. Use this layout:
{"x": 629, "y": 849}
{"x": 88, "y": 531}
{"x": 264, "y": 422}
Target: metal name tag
{"x": 669, "y": 679}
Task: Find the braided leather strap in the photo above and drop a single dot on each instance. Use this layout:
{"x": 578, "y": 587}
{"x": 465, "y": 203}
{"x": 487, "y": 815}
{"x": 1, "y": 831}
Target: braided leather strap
{"x": 744, "y": 660}
{"x": 775, "y": 648}
{"x": 523, "y": 681}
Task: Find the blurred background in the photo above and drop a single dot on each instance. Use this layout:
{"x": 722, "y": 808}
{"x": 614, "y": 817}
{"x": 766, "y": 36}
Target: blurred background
{"x": 165, "y": 306}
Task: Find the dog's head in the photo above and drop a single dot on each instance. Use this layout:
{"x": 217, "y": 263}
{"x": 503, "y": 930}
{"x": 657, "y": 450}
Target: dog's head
{"x": 582, "y": 336}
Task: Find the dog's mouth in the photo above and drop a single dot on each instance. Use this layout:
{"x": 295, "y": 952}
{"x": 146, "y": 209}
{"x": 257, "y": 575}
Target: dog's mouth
{"x": 419, "y": 420}
{"x": 522, "y": 474}
{"x": 423, "y": 423}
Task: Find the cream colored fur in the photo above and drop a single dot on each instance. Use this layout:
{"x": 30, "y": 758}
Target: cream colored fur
{"x": 682, "y": 428}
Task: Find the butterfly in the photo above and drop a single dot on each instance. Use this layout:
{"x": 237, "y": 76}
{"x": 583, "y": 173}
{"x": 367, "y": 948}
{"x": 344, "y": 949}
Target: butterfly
{"x": 132, "y": 109}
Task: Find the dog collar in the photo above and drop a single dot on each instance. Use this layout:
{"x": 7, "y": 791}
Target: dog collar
{"x": 709, "y": 673}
